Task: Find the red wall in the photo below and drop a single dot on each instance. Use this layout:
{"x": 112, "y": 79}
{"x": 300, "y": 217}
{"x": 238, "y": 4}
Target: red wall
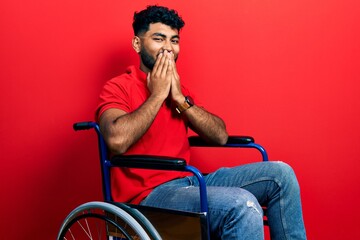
{"x": 286, "y": 72}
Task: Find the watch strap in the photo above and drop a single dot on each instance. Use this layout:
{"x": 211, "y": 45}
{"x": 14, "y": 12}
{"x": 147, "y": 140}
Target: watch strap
{"x": 182, "y": 107}
{"x": 188, "y": 103}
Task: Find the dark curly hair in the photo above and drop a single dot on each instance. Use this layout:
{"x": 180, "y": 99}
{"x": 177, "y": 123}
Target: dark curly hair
{"x": 155, "y": 14}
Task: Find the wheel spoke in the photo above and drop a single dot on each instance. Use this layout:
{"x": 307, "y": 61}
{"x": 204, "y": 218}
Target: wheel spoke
{"x": 99, "y": 220}
{"x": 84, "y": 229}
{"x": 89, "y": 231}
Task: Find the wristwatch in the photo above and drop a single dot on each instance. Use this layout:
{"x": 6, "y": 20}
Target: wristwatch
{"x": 188, "y": 103}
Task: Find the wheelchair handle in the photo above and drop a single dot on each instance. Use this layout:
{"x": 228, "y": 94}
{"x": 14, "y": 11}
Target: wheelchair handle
{"x": 84, "y": 126}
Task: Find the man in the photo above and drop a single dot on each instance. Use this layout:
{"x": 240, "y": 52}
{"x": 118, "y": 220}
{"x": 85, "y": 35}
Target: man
{"x": 147, "y": 111}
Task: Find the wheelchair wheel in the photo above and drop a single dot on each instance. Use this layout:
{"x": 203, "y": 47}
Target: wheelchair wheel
{"x": 100, "y": 220}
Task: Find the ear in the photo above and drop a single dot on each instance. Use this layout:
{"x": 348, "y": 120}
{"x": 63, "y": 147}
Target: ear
{"x": 136, "y": 44}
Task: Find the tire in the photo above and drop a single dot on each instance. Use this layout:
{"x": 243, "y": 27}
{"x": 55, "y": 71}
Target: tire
{"x": 101, "y": 220}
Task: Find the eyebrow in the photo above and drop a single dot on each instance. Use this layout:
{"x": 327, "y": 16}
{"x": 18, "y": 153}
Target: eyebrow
{"x": 164, "y": 36}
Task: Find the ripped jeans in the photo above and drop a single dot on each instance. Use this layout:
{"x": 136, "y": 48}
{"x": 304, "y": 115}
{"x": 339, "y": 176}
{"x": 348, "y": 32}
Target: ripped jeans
{"x": 234, "y": 198}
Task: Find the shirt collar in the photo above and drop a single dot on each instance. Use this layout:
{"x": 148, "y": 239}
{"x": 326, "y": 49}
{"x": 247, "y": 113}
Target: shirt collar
{"x": 138, "y": 74}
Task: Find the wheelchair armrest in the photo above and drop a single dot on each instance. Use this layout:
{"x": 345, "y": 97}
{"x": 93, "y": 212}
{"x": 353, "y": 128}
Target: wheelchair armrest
{"x": 233, "y": 142}
{"x": 197, "y": 141}
{"x": 162, "y": 163}
{"x": 239, "y": 140}
{"x": 149, "y": 162}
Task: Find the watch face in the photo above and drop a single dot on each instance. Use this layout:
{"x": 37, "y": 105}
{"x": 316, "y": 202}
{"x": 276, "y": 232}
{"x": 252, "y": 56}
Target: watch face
{"x": 189, "y": 100}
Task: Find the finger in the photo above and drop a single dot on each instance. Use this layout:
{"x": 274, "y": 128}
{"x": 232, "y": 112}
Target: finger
{"x": 174, "y": 70}
{"x": 157, "y": 62}
{"x": 173, "y": 63}
{"x": 148, "y": 78}
{"x": 166, "y": 64}
{"x": 162, "y": 65}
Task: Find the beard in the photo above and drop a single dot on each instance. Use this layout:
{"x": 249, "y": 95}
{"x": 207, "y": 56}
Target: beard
{"x": 147, "y": 59}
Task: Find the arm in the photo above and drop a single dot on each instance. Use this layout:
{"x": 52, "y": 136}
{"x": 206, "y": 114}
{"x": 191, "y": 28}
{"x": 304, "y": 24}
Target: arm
{"x": 207, "y": 125}
{"x": 120, "y": 129}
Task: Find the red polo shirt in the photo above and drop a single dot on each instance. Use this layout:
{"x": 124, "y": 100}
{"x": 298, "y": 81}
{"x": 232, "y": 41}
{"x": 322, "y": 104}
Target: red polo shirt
{"x": 167, "y": 136}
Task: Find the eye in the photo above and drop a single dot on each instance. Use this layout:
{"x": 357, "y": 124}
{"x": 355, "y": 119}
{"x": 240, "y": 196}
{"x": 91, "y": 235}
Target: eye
{"x": 175, "y": 41}
{"x": 157, "y": 39}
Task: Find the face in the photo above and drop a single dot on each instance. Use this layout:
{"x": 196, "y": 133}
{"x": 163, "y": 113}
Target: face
{"x": 158, "y": 38}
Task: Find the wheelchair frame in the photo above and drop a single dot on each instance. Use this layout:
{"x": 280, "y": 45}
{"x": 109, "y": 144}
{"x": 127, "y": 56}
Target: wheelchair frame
{"x": 129, "y": 213}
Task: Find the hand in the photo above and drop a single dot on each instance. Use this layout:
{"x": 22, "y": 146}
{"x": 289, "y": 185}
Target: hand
{"x": 159, "y": 79}
{"x": 175, "y": 91}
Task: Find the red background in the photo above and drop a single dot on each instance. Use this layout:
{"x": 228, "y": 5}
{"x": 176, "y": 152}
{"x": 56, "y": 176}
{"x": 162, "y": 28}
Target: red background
{"x": 286, "y": 72}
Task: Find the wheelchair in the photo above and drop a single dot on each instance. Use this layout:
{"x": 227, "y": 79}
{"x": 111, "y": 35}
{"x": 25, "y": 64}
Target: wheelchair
{"x": 117, "y": 221}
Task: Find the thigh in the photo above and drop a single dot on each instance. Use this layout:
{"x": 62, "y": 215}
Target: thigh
{"x": 184, "y": 195}
{"x": 262, "y": 179}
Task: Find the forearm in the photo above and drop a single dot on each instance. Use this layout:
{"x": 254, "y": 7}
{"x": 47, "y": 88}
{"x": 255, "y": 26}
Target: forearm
{"x": 121, "y": 130}
{"x": 207, "y": 125}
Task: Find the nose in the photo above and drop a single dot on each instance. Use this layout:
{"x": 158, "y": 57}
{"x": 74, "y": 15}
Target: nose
{"x": 167, "y": 46}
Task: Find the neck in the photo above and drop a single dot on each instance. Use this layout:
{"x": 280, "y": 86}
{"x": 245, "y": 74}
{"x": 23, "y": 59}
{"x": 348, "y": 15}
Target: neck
{"x": 144, "y": 68}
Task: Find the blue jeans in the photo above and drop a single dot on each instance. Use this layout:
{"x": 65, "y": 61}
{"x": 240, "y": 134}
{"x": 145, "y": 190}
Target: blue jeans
{"x": 234, "y": 198}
